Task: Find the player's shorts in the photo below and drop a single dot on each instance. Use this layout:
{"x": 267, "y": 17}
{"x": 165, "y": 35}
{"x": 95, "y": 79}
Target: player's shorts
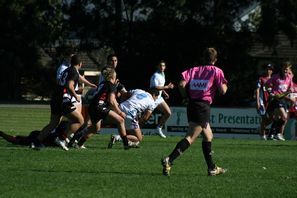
{"x": 159, "y": 100}
{"x": 63, "y": 107}
{"x": 98, "y": 112}
{"x": 131, "y": 123}
{"x": 276, "y": 104}
{"x": 198, "y": 112}
{"x": 74, "y": 101}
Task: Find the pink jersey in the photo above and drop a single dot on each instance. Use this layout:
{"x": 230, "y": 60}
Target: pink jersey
{"x": 203, "y": 81}
{"x": 279, "y": 85}
{"x": 293, "y": 108}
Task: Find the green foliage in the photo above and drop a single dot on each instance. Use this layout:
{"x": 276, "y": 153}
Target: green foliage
{"x": 141, "y": 33}
{"x": 28, "y": 26}
{"x": 278, "y": 16}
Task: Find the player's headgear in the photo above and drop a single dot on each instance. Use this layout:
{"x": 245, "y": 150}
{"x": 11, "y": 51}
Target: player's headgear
{"x": 269, "y": 66}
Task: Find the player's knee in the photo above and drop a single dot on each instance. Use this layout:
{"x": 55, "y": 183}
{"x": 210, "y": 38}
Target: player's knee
{"x": 140, "y": 138}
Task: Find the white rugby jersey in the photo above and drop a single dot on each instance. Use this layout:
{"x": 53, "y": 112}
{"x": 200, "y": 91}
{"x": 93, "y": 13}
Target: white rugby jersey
{"x": 157, "y": 79}
{"x": 139, "y": 101}
{"x": 60, "y": 70}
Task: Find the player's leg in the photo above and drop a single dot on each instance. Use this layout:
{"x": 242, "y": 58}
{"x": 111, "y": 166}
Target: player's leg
{"x": 134, "y": 136}
{"x": 76, "y": 121}
{"x": 45, "y": 132}
{"x": 92, "y": 129}
{"x": 166, "y": 113}
{"x": 281, "y": 122}
{"x": 194, "y": 131}
{"x": 116, "y": 119}
{"x": 8, "y": 138}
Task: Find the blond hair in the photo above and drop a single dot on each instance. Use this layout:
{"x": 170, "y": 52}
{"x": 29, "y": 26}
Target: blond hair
{"x": 109, "y": 73}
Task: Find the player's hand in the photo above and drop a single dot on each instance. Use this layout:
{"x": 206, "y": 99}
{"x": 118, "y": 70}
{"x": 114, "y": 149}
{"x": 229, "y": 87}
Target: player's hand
{"x": 122, "y": 114}
{"x": 78, "y": 98}
{"x": 93, "y": 85}
{"x": 170, "y": 86}
{"x": 166, "y": 95}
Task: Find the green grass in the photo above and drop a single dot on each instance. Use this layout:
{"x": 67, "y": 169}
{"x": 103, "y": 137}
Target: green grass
{"x": 255, "y": 168}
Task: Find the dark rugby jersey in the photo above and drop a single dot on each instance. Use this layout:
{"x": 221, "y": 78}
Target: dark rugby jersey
{"x": 101, "y": 96}
{"x": 68, "y": 74}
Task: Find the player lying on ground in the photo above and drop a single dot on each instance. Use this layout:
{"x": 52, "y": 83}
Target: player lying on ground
{"x": 29, "y": 139}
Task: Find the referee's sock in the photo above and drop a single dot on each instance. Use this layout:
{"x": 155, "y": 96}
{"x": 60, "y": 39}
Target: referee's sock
{"x": 180, "y": 147}
{"x": 206, "y": 148}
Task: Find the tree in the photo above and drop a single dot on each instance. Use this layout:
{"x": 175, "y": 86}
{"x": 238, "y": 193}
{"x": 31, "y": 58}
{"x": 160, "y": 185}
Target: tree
{"x": 26, "y": 26}
{"x": 277, "y": 16}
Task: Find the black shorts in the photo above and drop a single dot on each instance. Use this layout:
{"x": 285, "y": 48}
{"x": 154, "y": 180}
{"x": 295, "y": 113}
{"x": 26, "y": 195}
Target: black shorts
{"x": 98, "y": 112}
{"x": 62, "y": 107}
{"x": 276, "y": 104}
{"x": 198, "y": 112}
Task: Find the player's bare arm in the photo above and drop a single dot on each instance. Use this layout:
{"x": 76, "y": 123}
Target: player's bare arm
{"x": 82, "y": 79}
{"x": 71, "y": 89}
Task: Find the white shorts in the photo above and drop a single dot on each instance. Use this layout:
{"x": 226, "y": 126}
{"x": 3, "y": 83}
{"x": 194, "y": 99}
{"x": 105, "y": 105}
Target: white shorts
{"x": 131, "y": 123}
{"x": 159, "y": 101}
{"x": 74, "y": 101}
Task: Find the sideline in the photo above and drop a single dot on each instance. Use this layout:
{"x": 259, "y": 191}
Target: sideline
{"x": 41, "y": 106}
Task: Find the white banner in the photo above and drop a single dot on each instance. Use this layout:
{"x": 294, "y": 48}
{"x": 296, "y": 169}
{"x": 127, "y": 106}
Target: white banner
{"x": 225, "y": 122}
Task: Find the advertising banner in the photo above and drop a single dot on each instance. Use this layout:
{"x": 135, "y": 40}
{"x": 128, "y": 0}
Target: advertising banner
{"x": 244, "y": 122}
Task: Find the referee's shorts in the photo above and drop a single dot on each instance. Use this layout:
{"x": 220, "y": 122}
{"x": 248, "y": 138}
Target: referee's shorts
{"x": 198, "y": 111}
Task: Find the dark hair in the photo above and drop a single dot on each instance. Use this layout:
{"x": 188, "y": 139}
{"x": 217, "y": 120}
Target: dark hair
{"x": 75, "y": 60}
{"x": 285, "y": 64}
{"x": 209, "y": 55}
{"x": 153, "y": 91}
{"x": 110, "y": 56}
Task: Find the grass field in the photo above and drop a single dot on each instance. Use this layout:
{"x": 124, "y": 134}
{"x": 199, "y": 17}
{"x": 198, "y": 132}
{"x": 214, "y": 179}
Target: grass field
{"x": 255, "y": 168}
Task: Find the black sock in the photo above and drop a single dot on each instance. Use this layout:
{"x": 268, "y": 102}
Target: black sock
{"x": 180, "y": 147}
{"x": 125, "y": 140}
{"x": 79, "y": 133}
{"x": 82, "y": 141}
{"x": 273, "y": 127}
{"x": 206, "y": 148}
{"x": 279, "y": 124}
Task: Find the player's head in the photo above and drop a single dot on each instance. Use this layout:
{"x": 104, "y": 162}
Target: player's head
{"x": 210, "y": 56}
{"x": 75, "y": 60}
{"x": 161, "y": 66}
{"x": 154, "y": 92}
{"x": 286, "y": 68}
{"x": 112, "y": 60}
{"x": 269, "y": 66}
{"x": 109, "y": 74}
{"x": 268, "y": 69}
